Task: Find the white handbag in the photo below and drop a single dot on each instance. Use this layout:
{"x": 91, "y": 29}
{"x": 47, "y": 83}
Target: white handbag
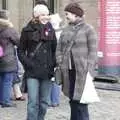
{"x": 89, "y": 94}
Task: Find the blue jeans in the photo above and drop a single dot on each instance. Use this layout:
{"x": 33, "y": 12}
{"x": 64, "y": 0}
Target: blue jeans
{"x": 38, "y": 98}
{"x": 55, "y": 94}
{"x": 6, "y": 79}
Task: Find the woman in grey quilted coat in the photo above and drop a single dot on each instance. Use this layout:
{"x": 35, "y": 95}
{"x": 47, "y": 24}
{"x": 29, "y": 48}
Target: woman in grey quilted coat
{"x": 76, "y": 54}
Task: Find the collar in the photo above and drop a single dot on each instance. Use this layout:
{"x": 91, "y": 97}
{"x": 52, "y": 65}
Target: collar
{"x": 37, "y": 26}
{"x": 5, "y": 23}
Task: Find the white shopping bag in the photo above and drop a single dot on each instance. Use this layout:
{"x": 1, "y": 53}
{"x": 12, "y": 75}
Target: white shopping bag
{"x": 89, "y": 94}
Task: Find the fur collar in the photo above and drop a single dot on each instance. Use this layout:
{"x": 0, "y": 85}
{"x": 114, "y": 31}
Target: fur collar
{"x": 5, "y": 23}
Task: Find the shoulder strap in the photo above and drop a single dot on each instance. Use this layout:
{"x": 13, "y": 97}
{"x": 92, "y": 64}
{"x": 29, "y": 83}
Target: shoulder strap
{"x": 36, "y": 49}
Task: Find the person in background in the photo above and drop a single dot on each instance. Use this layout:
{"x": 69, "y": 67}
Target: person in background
{"x": 76, "y": 55}
{"x": 8, "y": 62}
{"x": 37, "y": 54}
{"x": 18, "y": 76}
{"x": 17, "y": 93}
{"x": 56, "y": 89}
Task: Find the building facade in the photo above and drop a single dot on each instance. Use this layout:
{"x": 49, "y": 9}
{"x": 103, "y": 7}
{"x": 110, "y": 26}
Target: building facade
{"x": 21, "y": 10}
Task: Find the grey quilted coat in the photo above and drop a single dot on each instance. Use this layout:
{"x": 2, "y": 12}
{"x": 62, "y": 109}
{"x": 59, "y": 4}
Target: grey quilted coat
{"x": 84, "y": 52}
{"x": 8, "y": 39}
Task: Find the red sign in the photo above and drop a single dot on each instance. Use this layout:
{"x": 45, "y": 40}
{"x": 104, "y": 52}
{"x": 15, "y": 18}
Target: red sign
{"x": 109, "y": 32}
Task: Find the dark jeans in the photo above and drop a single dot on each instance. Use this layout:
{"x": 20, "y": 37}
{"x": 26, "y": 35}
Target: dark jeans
{"x": 38, "y": 98}
{"x": 78, "y": 111}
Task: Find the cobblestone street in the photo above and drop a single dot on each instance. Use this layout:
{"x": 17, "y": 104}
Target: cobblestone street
{"x": 107, "y": 109}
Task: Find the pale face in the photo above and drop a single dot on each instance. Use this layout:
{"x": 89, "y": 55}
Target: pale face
{"x": 71, "y": 18}
{"x": 44, "y": 18}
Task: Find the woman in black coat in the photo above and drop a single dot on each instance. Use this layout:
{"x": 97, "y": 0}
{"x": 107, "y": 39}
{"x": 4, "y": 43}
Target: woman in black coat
{"x": 38, "y": 63}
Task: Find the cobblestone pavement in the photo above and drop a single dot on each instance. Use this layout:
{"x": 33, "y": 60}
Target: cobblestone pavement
{"x": 107, "y": 109}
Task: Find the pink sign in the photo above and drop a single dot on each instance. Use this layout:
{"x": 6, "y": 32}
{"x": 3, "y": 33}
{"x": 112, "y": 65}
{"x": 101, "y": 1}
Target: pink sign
{"x": 109, "y": 32}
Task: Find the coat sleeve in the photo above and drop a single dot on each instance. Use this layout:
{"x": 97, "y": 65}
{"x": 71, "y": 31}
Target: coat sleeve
{"x": 22, "y": 50}
{"x": 14, "y": 36}
{"x": 92, "y": 47}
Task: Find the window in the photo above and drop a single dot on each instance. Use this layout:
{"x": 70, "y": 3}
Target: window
{"x": 51, "y": 5}
{"x": 4, "y": 4}
{"x": 34, "y": 3}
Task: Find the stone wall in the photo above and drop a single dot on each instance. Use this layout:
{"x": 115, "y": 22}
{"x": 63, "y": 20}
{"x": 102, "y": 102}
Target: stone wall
{"x": 90, "y": 7}
{"x": 25, "y": 12}
{"x": 14, "y": 12}
{"x": 21, "y": 10}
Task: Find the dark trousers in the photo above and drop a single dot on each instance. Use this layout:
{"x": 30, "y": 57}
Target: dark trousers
{"x": 72, "y": 77}
{"x": 78, "y": 111}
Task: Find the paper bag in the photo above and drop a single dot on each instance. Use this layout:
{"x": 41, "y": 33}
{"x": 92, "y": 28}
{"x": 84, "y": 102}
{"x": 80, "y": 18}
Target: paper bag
{"x": 89, "y": 94}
